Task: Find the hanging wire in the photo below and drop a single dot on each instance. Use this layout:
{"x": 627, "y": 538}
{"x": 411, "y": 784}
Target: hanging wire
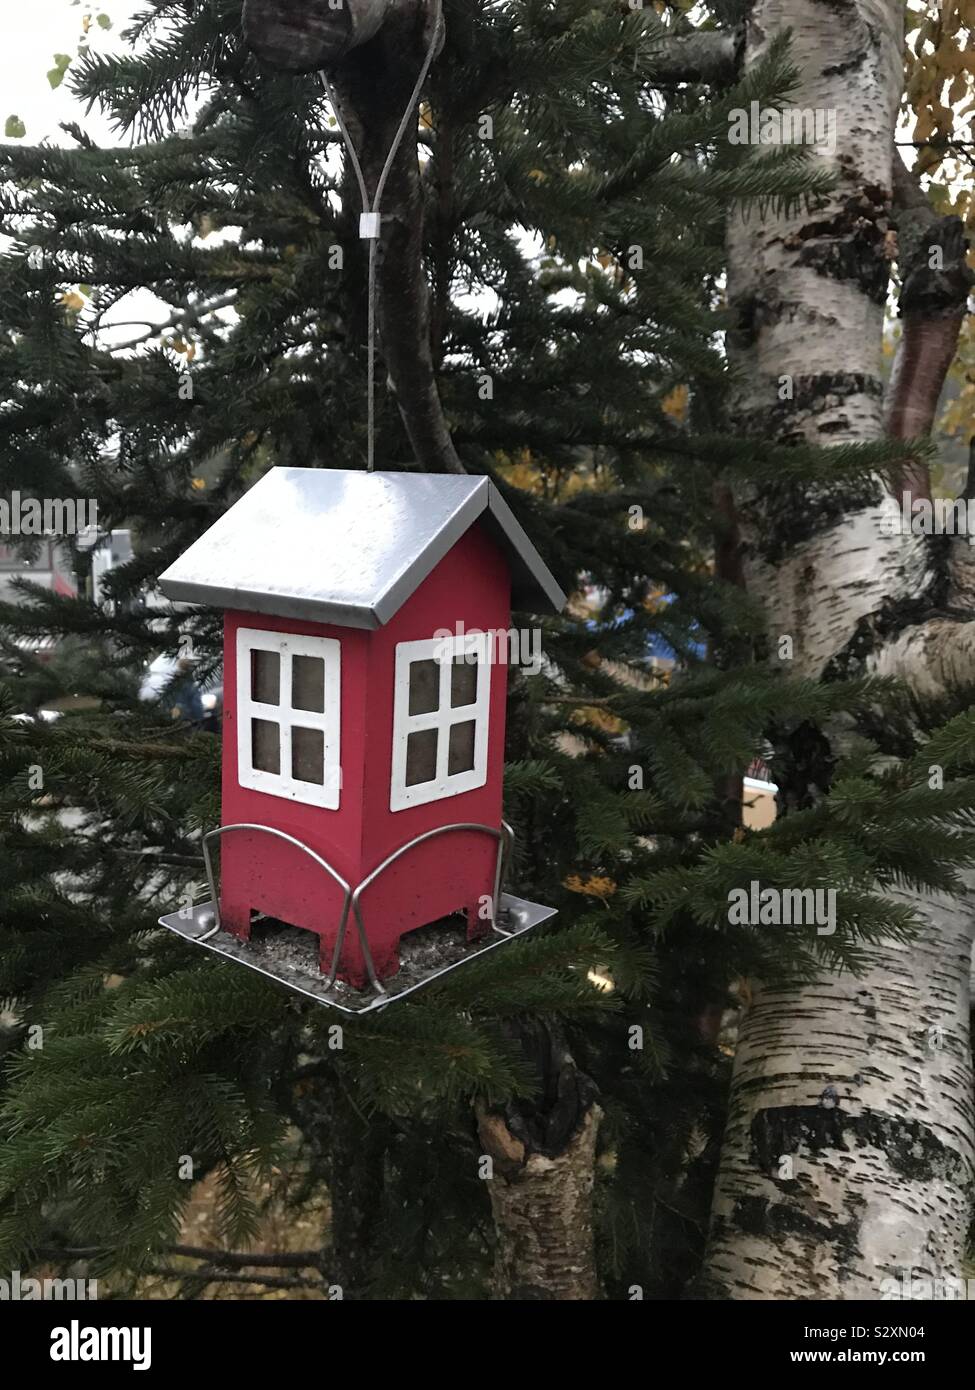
{"x": 375, "y": 209}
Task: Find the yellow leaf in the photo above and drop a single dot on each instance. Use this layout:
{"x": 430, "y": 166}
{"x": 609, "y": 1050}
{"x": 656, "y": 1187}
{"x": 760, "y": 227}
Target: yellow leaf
{"x": 198, "y": 484}
{"x": 73, "y": 301}
{"x": 594, "y": 886}
{"x": 674, "y": 403}
{"x": 597, "y": 718}
{"x": 539, "y": 175}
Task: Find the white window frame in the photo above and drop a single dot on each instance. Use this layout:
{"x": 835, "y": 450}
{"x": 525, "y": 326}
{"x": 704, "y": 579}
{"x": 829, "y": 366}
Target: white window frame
{"x": 443, "y": 650}
{"x": 287, "y": 645}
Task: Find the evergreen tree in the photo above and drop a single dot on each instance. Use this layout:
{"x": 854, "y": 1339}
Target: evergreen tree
{"x": 563, "y": 182}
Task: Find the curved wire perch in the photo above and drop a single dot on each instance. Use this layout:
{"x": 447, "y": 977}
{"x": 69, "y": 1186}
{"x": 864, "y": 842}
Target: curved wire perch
{"x": 504, "y": 836}
{"x": 323, "y": 863}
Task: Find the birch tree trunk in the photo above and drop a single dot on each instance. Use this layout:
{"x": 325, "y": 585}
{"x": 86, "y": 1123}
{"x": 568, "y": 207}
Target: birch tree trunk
{"x": 850, "y": 1147}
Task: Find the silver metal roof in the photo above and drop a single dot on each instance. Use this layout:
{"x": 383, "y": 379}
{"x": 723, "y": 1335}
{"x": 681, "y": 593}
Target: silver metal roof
{"x": 341, "y": 546}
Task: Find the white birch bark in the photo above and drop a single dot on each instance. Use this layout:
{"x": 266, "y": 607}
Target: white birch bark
{"x": 850, "y": 1148}
{"x": 847, "y": 1158}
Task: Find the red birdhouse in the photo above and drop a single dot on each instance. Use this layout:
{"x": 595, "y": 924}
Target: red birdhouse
{"x": 364, "y": 713}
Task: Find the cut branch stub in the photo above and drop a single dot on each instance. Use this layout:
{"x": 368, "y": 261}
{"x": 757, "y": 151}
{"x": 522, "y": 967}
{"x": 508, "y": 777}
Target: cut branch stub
{"x": 306, "y": 35}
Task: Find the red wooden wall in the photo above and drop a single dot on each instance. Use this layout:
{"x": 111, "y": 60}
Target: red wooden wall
{"x": 471, "y": 586}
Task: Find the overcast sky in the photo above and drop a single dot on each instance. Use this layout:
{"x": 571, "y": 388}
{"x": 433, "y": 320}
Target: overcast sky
{"x": 44, "y": 29}
{"x": 41, "y": 29}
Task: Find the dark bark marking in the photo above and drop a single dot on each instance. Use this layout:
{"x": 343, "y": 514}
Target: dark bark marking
{"x": 758, "y": 1216}
{"x": 928, "y": 291}
{"x": 853, "y": 243}
{"x": 913, "y": 1151}
{"x": 789, "y": 514}
{"x": 804, "y": 766}
{"x": 744, "y": 332}
{"x": 837, "y": 69}
{"x": 894, "y": 617}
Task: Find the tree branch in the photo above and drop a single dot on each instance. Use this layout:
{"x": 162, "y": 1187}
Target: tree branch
{"x": 307, "y": 35}
{"x": 935, "y": 280}
{"x": 933, "y": 658}
{"x": 374, "y": 85}
{"x": 180, "y": 318}
{"x": 232, "y": 1259}
{"x": 209, "y": 1276}
{"x": 710, "y": 56}
{"x": 543, "y": 1152}
{"x": 375, "y": 50}
{"x": 220, "y": 1259}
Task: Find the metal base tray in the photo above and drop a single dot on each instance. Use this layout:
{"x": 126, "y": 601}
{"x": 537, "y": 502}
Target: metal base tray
{"x": 423, "y": 960}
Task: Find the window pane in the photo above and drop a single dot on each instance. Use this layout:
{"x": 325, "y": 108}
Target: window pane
{"x": 421, "y": 757}
{"x": 308, "y": 683}
{"x": 461, "y": 752}
{"x": 266, "y": 677}
{"x": 463, "y": 682}
{"x": 308, "y": 755}
{"x": 266, "y": 746}
{"x": 424, "y": 687}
